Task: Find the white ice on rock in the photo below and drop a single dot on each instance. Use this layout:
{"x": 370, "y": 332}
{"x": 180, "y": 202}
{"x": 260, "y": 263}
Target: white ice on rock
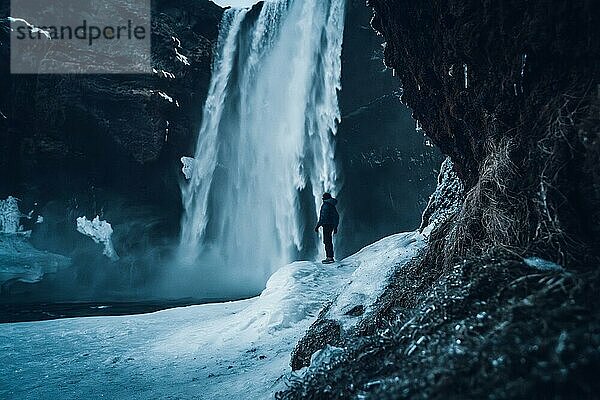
{"x": 100, "y": 232}
{"x": 9, "y": 215}
{"x": 189, "y": 164}
{"x": 542, "y": 265}
{"x": 236, "y": 350}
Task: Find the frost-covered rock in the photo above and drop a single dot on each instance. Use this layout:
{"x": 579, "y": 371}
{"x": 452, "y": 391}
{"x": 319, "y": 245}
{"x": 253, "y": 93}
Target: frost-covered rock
{"x": 100, "y": 232}
{"x": 374, "y": 265}
{"x": 9, "y": 215}
{"x": 357, "y": 295}
{"x": 542, "y": 265}
{"x": 445, "y": 201}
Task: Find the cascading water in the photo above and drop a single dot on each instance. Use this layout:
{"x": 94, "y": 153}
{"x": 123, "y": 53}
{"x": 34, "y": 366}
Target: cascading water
{"x": 266, "y": 137}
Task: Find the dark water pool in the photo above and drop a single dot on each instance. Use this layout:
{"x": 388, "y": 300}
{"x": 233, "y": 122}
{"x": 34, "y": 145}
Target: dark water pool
{"x": 46, "y": 311}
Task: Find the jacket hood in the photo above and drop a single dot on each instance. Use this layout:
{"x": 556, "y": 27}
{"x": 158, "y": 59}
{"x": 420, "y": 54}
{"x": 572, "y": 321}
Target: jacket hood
{"x": 331, "y": 201}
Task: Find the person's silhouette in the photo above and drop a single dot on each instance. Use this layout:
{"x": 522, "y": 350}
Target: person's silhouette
{"x": 329, "y": 220}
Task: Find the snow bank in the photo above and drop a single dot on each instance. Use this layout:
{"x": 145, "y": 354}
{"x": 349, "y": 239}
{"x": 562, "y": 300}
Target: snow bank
{"x": 235, "y": 350}
{"x": 374, "y": 266}
{"x": 100, "y": 232}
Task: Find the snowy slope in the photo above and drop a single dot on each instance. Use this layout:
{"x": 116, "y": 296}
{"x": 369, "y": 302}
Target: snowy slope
{"x": 235, "y": 350}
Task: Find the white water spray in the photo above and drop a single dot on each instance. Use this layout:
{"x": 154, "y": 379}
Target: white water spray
{"x": 267, "y": 136}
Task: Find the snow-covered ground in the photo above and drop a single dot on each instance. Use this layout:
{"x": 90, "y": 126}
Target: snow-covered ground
{"x": 235, "y": 350}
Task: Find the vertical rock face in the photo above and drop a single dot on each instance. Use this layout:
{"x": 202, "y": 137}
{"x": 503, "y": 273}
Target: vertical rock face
{"x": 106, "y": 145}
{"x": 509, "y": 90}
{"x": 388, "y": 168}
{"x": 93, "y": 129}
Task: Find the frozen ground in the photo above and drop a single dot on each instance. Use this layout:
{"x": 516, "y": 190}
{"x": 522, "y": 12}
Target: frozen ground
{"x": 236, "y": 350}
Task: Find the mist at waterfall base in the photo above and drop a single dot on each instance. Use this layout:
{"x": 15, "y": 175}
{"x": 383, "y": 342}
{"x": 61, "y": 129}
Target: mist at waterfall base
{"x": 265, "y": 151}
{"x": 388, "y": 175}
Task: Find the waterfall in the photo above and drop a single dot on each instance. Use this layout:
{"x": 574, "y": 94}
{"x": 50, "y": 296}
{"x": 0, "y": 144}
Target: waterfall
{"x": 267, "y": 138}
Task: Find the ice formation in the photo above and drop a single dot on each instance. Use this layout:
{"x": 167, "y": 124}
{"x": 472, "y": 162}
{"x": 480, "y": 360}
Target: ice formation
{"x": 20, "y": 261}
{"x": 9, "y": 215}
{"x": 445, "y": 201}
{"x": 189, "y": 164}
{"x": 100, "y": 232}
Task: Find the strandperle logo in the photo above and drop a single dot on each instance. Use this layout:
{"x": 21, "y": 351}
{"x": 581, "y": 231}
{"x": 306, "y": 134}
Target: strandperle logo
{"x": 79, "y": 36}
{"x": 90, "y": 32}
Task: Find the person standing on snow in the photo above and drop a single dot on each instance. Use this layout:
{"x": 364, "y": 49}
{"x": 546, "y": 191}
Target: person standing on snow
{"x": 329, "y": 220}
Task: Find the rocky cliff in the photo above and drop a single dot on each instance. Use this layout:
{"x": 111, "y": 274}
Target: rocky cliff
{"x": 107, "y": 145}
{"x": 501, "y": 302}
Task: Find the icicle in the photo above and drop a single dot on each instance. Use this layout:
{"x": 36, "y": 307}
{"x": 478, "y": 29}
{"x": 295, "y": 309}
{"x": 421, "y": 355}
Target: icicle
{"x": 523, "y": 64}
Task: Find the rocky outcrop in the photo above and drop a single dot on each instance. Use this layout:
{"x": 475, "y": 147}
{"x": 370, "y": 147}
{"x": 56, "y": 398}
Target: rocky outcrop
{"x": 509, "y": 91}
{"x": 93, "y": 127}
{"x": 107, "y": 145}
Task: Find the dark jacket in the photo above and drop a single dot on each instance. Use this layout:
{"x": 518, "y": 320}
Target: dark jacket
{"x": 329, "y": 214}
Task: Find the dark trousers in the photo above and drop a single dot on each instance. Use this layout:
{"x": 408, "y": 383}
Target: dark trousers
{"x": 328, "y": 240}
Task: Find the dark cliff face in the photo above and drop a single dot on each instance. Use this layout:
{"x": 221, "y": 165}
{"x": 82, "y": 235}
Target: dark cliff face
{"x": 63, "y": 133}
{"x": 107, "y": 145}
{"x": 510, "y": 92}
{"x": 388, "y": 168}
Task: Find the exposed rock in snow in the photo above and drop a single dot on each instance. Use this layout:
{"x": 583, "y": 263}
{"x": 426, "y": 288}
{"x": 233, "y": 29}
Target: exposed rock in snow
{"x": 374, "y": 266}
{"x": 100, "y": 232}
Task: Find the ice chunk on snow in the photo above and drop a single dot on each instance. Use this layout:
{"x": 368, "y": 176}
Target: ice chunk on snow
{"x": 543, "y": 265}
{"x": 100, "y": 232}
{"x": 9, "y": 215}
{"x": 189, "y": 164}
